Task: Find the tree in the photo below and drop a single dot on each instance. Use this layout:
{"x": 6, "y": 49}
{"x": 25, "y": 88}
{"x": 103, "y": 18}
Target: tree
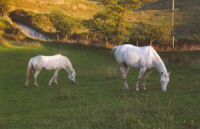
{"x": 4, "y": 7}
{"x": 114, "y": 13}
{"x": 22, "y": 16}
{"x": 64, "y": 24}
{"x": 151, "y": 32}
{"x": 104, "y": 32}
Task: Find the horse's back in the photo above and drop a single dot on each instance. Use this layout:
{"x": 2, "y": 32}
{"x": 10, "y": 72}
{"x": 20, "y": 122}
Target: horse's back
{"x": 48, "y": 62}
{"x": 135, "y": 56}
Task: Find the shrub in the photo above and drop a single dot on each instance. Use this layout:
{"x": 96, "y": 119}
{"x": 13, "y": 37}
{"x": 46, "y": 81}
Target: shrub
{"x": 4, "y": 43}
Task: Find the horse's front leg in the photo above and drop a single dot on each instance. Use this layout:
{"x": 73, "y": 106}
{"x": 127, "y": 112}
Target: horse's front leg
{"x": 124, "y": 70}
{"x": 146, "y": 78}
{"x": 54, "y": 77}
{"x": 142, "y": 71}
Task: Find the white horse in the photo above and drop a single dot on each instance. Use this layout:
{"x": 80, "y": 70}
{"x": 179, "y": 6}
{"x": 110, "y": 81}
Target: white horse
{"x": 55, "y": 62}
{"x": 144, "y": 58}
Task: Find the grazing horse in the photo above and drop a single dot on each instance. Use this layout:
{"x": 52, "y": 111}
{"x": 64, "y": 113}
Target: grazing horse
{"x": 144, "y": 58}
{"x": 55, "y": 62}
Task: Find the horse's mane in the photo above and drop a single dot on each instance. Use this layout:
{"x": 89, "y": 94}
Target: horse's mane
{"x": 158, "y": 58}
{"x": 149, "y": 55}
{"x": 68, "y": 64}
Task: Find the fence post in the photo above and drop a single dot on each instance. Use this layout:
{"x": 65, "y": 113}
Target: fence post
{"x": 66, "y": 37}
{"x": 57, "y": 37}
{"x": 173, "y": 43}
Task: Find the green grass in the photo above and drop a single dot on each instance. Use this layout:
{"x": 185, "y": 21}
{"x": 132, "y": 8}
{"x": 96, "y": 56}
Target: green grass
{"x": 97, "y": 100}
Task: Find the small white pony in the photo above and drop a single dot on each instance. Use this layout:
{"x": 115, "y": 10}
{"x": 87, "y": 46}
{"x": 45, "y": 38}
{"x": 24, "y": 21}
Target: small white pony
{"x": 55, "y": 62}
{"x": 144, "y": 58}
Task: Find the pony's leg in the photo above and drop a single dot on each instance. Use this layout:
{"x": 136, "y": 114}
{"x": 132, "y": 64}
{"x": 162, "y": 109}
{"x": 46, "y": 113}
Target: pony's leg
{"x": 124, "y": 70}
{"x": 35, "y": 77}
{"x": 146, "y": 78}
{"x": 142, "y": 71}
{"x": 54, "y": 77}
{"x": 26, "y": 83}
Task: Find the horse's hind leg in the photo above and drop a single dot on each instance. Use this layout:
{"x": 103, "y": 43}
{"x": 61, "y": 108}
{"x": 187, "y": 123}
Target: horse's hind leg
{"x": 142, "y": 71}
{"x": 54, "y": 78}
{"x": 35, "y": 77}
{"x": 145, "y": 78}
{"x": 124, "y": 70}
{"x": 26, "y": 83}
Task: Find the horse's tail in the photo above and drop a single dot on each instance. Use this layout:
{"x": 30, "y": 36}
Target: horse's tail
{"x": 114, "y": 50}
{"x": 29, "y": 69}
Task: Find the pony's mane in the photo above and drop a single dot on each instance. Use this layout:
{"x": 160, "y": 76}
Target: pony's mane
{"x": 67, "y": 64}
{"x": 148, "y": 54}
{"x": 158, "y": 58}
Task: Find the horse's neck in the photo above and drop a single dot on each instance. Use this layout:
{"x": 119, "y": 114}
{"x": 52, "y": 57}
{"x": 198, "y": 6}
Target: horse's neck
{"x": 68, "y": 66}
{"x": 160, "y": 66}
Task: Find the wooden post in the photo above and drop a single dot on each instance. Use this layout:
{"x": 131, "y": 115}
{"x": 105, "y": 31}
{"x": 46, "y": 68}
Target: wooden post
{"x": 57, "y": 37}
{"x": 173, "y": 43}
{"x": 66, "y": 37}
{"x": 173, "y": 25}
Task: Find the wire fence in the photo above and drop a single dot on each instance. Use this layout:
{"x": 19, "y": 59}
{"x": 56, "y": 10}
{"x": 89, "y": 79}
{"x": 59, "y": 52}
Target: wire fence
{"x": 179, "y": 44}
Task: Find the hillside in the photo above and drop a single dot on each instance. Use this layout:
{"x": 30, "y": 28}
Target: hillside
{"x": 78, "y": 8}
{"x": 186, "y": 15}
{"x": 186, "y": 12}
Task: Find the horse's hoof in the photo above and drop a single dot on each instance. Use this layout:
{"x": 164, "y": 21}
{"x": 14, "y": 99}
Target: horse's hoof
{"x": 26, "y": 86}
{"x": 126, "y": 87}
{"x": 137, "y": 89}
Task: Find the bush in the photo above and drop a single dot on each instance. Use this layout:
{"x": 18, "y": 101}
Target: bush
{"x": 4, "y": 43}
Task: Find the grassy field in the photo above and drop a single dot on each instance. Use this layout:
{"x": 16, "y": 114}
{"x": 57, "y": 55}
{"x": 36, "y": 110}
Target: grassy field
{"x": 97, "y": 100}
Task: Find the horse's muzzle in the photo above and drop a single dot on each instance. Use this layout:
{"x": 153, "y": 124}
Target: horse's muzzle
{"x": 73, "y": 82}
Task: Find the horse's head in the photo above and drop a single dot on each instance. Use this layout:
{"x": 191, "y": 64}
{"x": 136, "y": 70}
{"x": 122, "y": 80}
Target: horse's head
{"x": 164, "y": 80}
{"x": 72, "y": 76}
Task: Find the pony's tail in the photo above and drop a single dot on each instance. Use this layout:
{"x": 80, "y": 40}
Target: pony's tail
{"x": 114, "y": 50}
{"x": 29, "y": 69}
